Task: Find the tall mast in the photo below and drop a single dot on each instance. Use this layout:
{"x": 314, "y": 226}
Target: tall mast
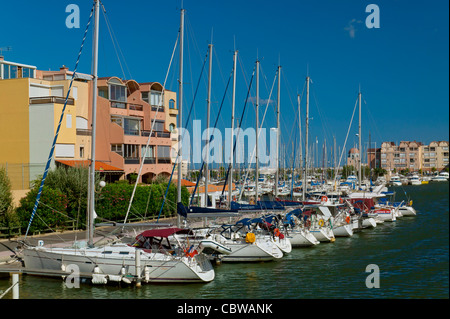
{"x": 300, "y": 133}
{"x": 208, "y": 109}
{"x": 306, "y": 138}
{"x": 233, "y": 103}
{"x": 91, "y": 195}
{"x": 180, "y": 110}
{"x": 359, "y": 141}
{"x": 278, "y": 131}
{"x": 257, "y": 131}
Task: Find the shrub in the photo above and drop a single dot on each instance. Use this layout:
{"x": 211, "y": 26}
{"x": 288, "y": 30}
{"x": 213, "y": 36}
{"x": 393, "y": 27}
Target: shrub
{"x": 51, "y": 211}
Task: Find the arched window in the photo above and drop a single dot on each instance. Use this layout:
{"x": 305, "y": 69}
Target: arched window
{"x": 171, "y": 127}
{"x": 171, "y": 104}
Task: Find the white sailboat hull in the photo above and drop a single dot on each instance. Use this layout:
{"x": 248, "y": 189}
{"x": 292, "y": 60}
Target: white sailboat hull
{"x": 155, "y": 267}
{"x": 408, "y": 211}
{"x": 343, "y": 231}
{"x": 300, "y": 238}
{"x": 323, "y": 234}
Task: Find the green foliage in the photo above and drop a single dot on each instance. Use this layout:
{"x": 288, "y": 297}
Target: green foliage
{"x": 113, "y": 201}
{"x": 6, "y": 198}
{"x": 51, "y": 210}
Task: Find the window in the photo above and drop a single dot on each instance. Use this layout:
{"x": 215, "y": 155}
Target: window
{"x": 131, "y": 126}
{"x": 118, "y": 120}
{"x": 155, "y": 98}
{"x": 172, "y": 105}
{"x": 103, "y": 92}
{"x": 412, "y": 154}
{"x": 159, "y": 126}
{"x": 131, "y": 151}
{"x": 5, "y": 71}
{"x": 396, "y": 155}
{"x": 411, "y": 160}
{"x": 144, "y": 96}
{"x": 117, "y": 148}
{"x": 13, "y": 72}
{"x": 81, "y": 151}
{"x": 148, "y": 152}
{"x": 163, "y": 151}
{"x": 117, "y": 93}
{"x": 402, "y": 155}
{"x": 27, "y": 73}
{"x": 171, "y": 127}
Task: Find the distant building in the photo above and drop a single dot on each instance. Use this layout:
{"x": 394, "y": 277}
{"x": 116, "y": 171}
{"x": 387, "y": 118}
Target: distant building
{"x": 434, "y": 156}
{"x": 353, "y": 157}
{"x": 374, "y": 158}
{"x": 414, "y": 156}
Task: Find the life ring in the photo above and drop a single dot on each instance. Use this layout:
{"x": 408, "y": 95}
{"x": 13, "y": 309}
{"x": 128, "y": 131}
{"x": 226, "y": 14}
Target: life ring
{"x": 321, "y": 222}
{"x": 347, "y": 219}
{"x": 276, "y": 232}
{"x": 341, "y": 200}
{"x": 324, "y": 199}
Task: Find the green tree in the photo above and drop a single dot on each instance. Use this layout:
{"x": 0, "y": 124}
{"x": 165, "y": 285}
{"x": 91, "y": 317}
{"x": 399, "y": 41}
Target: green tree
{"x": 6, "y": 199}
{"x": 50, "y": 214}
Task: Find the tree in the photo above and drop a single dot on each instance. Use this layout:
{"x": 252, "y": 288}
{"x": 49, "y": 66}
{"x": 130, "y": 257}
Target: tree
{"x": 6, "y": 198}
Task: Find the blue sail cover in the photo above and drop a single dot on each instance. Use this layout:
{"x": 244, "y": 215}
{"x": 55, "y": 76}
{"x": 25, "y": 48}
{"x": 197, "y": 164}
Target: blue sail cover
{"x": 260, "y": 205}
{"x": 185, "y": 211}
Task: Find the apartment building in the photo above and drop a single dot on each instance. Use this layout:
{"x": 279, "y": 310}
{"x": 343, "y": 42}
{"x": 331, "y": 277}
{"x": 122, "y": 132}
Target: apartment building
{"x": 434, "y": 156}
{"x": 414, "y": 156}
{"x": 31, "y": 103}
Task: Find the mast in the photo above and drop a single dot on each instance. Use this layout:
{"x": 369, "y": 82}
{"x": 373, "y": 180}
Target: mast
{"x": 278, "y": 131}
{"x": 208, "y": 110}
{"x": 359, "y": 142}
{"x": 180, "y": 110}
{"x": 300, "y": 133}
{"x": 306, "y": 138}
{"x": 257, "y": 131}
{"x": 91, "y": 195}
{"x": 233, "y": 103}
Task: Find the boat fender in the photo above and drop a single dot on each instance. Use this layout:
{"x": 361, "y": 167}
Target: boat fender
{"x": 276, "y": 232}
{"x": 321, "y": 222}
{"x": 347, "y": 219}
{"x": 250, "y": 238}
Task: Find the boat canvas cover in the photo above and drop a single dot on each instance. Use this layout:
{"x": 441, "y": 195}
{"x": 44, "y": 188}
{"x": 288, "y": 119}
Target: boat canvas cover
{"x": 163, "y": 232}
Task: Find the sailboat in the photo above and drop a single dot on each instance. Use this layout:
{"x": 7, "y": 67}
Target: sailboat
{"x": 118, "y": 261}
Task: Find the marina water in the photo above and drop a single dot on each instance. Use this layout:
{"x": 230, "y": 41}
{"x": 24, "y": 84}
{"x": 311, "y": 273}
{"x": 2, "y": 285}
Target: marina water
{"x": 412, "y": 255}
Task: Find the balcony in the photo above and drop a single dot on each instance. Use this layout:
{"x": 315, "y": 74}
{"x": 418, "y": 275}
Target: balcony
{"x": 51, "y": 99}
{"x": 156, "y": 107}
{"x": 84, "y": 132}
{"x": 146, "y": 133}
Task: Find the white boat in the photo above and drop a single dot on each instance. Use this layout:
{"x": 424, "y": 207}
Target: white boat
{"x": 442, "y": 177}
{"x": 343, "y": 230}
{"x": 117, "y": 262}
{"x": 240, "y": 245}
{"x": 395, "y": 181}
{"x": 414, "y": 180}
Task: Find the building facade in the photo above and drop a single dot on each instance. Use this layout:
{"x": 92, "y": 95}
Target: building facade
{"x": 31, "y": 103}
{"x": 414, "y": 156}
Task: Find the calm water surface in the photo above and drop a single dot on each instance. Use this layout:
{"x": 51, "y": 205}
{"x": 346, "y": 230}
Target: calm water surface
{"x": 411, "y": 253}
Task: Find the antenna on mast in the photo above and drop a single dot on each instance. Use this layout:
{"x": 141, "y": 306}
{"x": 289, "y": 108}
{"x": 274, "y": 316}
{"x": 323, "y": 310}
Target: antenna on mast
{"x": 8, "y": 48}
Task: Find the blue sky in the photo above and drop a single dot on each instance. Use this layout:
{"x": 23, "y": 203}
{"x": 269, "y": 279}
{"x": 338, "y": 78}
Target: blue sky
{"x": 402, "y": 67}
